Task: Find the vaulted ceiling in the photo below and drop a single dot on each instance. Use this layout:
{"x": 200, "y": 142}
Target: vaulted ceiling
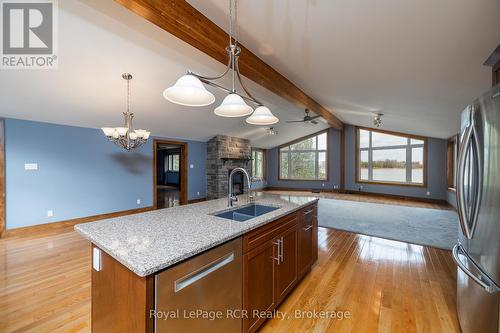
{"x": 418, "y": 62}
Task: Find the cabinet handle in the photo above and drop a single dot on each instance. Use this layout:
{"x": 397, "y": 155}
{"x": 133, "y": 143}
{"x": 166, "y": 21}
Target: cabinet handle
{"x": 308, "y": 227}
{"x": 308, "y": 211}
{"x": 278, "y": 242}
{"x": 202, "y": 272}
{"x": 281, "y": 247}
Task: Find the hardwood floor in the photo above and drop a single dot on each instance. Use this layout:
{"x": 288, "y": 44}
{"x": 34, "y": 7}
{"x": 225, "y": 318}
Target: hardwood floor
{"x": 167, "y": 196}
{"x": 386, "y": 286}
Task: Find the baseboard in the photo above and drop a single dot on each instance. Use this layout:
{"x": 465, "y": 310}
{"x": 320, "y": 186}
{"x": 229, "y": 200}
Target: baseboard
{"x": 48, "y": 227}
{"x": 196, "y": 200}
{"x": 400, "y": 197}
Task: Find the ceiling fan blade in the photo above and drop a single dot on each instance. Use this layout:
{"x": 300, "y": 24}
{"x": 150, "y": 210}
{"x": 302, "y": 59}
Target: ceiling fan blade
{"x": 314, "y": 117}
{"x": 294, "y": 121}
{"x": 314, "y": 122}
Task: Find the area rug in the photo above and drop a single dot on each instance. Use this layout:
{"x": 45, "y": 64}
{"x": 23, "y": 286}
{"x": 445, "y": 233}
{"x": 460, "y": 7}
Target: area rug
{"x": 422, "y": 226}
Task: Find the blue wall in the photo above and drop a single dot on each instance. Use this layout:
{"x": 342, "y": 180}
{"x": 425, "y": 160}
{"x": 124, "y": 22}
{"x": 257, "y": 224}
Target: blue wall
{"x": 80, "y": 173}
{"x": 333, "y": 167}
{"x": 436, "y": 170}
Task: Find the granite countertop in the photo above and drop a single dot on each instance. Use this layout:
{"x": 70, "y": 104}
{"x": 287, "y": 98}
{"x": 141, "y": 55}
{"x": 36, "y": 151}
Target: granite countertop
{"x": 149, "y": 242}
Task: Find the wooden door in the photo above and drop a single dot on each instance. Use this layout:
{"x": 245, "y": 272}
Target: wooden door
{"x": 258, "y": 283}
{"x": 305, "y": 252}
{"x": 286, "y": 268}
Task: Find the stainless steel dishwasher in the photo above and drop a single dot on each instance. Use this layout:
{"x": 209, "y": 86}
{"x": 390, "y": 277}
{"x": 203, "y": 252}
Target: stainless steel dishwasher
{"x": 190, "y": 295}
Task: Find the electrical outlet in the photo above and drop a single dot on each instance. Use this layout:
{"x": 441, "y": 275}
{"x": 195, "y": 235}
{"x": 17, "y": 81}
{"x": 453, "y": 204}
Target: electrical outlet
{"x": 360, "y": 187}
{"x": 50, "y": 213}
{"x": 191, "y": 166}
{"x": 198, "y": 193}
{"x": 323, "y": 185}
{"x": 335, "y": 187}
{"x": 428, "y": 193}
{"x": 138, "y": 201}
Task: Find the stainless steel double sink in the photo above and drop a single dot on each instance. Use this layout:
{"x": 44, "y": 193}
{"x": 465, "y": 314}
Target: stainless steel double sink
{"x": 245, "y": 213}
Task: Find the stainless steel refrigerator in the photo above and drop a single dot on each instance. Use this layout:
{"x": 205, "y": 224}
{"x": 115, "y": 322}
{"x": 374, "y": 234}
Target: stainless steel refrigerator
{"x": 477, "y": 252}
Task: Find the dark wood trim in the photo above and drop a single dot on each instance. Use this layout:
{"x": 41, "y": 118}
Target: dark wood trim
{"x": 183, "y": 199}
{"x": 451, "y": 156}
{"x": 400, "y": 197}
{"x": 25, "y": 231}
{"x": 342, "y": 160}
{"x": 264, "y": 167}
{"x": 357, "y": 152}
{"x": 182, "y": 20}
{"x": 495, "y": 74}
{"x": 196, "y": 200}
{"x": 327, "y": 131}
{"x": 2, "y": 178}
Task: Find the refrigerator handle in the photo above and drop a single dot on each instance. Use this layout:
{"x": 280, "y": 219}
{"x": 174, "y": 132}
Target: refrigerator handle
{"x": 481, "y": 280}
{"x": 462, "y": 213}
{"x": 479, "y": 171}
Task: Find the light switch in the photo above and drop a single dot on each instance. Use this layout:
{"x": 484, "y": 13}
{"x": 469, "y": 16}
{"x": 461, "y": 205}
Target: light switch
{"x": 191, "y": 166}
{"x": 30, "y": 166}
{"x": 96, "y": 259}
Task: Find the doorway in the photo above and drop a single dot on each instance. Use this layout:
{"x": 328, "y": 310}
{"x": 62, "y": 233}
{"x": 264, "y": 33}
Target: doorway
{"x": 170, "y": 173}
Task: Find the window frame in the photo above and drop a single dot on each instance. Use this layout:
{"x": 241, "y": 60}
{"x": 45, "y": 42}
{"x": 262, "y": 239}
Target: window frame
{"x": 264, "y": 163}
{"x": 327, "y": 154}
{"x": 407, "y": 146}
{"x": 451, "y": 174}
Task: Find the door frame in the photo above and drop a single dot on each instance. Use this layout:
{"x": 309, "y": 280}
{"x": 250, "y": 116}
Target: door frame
{"x": 3, "y": 227}
{"x": 183, "y": 199}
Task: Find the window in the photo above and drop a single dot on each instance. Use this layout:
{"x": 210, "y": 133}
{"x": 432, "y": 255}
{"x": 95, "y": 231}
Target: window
{"x": 305, "y": 160}
{"x": 451, "y": 162}
{"x": 390, "y": 158}
{"x": 172, "y": 162}
{"x": 258, "y": 163}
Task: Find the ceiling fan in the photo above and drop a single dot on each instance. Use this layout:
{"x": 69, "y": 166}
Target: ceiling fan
{"x": 306, "y": 119}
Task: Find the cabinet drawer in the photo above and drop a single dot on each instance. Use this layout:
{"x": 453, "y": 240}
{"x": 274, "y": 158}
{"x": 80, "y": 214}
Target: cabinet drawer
{"x": 267, "y": 232}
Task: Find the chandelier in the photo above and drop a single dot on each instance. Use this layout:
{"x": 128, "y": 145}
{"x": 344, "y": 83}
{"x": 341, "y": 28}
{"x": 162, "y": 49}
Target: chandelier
{"x": 126, "y": 137}
{"x": 190, "y": 91}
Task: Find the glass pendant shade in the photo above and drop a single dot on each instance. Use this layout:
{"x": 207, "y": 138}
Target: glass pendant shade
{"x": 233, "y": 106}
{"x": 262, "y": 116}
{"x": 189, "y": 91}
{"x": 108, "y": 131}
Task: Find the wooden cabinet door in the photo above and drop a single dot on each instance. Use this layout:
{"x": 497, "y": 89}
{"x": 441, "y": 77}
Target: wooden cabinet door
{"x": 286, "y": 268}
{"x": 258, "y": 283}
{"x": 305, "y": 252}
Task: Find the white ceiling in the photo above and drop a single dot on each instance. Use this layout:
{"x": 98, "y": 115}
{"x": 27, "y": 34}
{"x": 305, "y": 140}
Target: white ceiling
{"x": 98, "y": 41}
{"x": 417, "y": 61}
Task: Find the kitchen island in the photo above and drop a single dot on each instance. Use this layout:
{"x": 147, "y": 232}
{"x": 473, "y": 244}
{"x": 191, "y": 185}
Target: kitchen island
{"x": 170, "y": 269}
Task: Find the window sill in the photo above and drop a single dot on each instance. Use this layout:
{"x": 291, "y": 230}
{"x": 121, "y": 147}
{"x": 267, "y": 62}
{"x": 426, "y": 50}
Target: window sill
{"x": 391, "y": 183}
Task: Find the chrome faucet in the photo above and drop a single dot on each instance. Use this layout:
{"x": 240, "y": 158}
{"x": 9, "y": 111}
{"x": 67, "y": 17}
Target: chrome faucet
{"x": 231, "y": 197}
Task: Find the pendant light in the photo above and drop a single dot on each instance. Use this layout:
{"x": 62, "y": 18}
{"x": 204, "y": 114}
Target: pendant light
{"x": 262, "y": 116}
{"x": 190, "y": 91}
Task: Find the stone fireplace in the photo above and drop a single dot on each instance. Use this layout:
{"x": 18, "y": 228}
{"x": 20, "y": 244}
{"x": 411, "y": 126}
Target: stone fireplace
{"x": 224, "y": 153}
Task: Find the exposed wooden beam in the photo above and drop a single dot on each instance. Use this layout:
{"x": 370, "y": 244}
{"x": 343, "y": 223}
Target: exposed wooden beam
{"x": 185, "y": 22}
